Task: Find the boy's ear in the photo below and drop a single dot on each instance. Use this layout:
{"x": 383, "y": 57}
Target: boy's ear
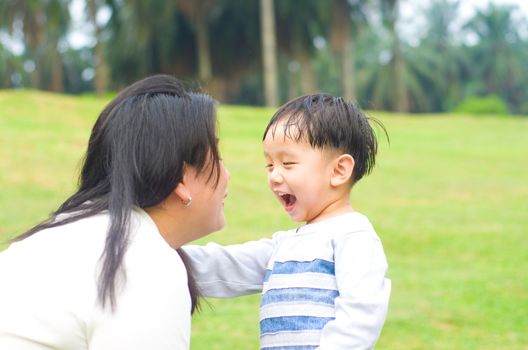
{"x": 342, "y": 171}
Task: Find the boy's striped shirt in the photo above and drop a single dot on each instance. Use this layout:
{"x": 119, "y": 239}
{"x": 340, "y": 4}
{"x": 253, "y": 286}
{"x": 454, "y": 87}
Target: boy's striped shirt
{"x": 300, "y": 287}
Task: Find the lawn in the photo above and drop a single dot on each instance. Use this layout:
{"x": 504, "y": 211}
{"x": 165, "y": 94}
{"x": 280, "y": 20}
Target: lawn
{"x": 448, "y": 197}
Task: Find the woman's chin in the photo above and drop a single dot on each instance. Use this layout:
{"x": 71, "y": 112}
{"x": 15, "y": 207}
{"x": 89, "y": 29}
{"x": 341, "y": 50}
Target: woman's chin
{"x": 218, "y": 225}
{"x": 221, "y": 224}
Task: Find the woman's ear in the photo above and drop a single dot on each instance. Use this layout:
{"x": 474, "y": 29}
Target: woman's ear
{"x": 342, "y": 171}
{"x": 182, "y": 192}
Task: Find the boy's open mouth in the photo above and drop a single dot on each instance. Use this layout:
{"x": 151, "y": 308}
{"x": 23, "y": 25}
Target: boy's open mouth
{"x": 288, "y": 200}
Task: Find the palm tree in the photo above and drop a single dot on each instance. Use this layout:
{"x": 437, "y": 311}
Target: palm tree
{"x": 298, "y": 26}
{"x": 498, "y": 53}
{"x": 197, "y": 12}
{"x": 31, "y": 14}
{"x": 448, "y": 59}
{"x": 269, "y": 51}
{"x": 237, "y": 64}
{"x": 58, "y": 17}
{"x": 5, "y": 73}
{"x": 389, "y": 12}
{"x": 101, "y": 69}
{"x": 341, "y": 42}
{"x": 145, "y": 38}
{"x": 348, "y": 19}
{"x": 43, "y": 25}
{"x": 376, "y": 73}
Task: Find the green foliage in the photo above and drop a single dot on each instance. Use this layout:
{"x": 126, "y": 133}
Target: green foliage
{"x": 477, "y": 105}
{"x": 429, "y": 71}
{"x": 500, "y": 53}
{"x": 447, "y": 197}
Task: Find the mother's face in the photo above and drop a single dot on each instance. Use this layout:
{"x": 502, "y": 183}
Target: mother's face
{"x": 207, "y": 207}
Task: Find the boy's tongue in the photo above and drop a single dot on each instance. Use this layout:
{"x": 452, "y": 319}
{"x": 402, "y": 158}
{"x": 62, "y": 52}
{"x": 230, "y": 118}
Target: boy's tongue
{"x": 289, "y": 201}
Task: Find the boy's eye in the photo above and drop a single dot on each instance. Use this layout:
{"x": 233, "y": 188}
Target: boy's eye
{"x": 288, "y": 163}
{"x": 267, "y": 166}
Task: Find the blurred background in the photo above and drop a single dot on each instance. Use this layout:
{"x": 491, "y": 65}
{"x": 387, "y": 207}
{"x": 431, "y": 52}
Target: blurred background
{"x": 449, "y": 80}
{"x": 394, "y": 55}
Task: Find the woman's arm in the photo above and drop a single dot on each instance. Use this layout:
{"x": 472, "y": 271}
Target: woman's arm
{"x": 230, "y": 271}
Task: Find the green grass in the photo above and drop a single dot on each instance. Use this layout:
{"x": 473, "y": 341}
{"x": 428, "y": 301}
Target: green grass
{"x": 449, "y": 198}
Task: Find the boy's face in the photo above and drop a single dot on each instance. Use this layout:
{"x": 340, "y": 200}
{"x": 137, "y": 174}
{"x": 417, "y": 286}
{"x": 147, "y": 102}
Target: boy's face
{"x": 299, "y": 176}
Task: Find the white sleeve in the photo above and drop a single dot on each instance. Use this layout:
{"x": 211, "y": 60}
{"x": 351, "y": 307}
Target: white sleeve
{"x": 361, "y": 307}
{"x": 230, "y": 271}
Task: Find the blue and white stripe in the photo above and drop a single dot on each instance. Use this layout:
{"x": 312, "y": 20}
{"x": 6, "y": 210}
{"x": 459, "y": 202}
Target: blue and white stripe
{"x": 307, "y": 295}
{"x": 297, "y": 302}
{"x": 293, "y": 267}
{"x": 290, "y": 340}
{"x": 303, "y": 280}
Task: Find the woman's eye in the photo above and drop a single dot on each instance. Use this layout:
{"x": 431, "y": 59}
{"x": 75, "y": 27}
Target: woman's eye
{"x": 267, "y": 166}
{"x": 288, "y": 163}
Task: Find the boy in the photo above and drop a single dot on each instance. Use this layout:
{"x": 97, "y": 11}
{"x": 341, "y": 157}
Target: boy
{"x": 323, "y": 284}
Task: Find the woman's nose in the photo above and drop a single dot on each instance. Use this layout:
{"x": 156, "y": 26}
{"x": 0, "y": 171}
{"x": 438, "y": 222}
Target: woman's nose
{"x": 227, "y": 174}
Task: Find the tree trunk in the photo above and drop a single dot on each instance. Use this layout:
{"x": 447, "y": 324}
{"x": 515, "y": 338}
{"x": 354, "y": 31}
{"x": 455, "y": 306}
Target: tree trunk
{"x": 35, "y": 74}
{"x": 57, "y": 75}
{"x": 308, "y": 80}
{"x": 269, "y": 52}
{"x": 35, "y": 37}
{"x": 293, "y": 81}
{"x": 341, "y": 43}
{"x": 205, "y": 71}
{"x": 402, "y": 98}
{"x": 347, "y": 62}
{"x": 101, "y": 70}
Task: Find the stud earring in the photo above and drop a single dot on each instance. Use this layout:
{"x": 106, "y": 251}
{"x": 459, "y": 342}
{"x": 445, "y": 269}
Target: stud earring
{"x": 189, "y": 201}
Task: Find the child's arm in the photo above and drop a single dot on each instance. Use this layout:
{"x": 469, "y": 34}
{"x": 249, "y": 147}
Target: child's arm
{"x": 230, "y": 271}
{"x": 361, "y": 307}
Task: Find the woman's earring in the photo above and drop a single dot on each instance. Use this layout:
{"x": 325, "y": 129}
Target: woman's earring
{"x": 189, "y": 201}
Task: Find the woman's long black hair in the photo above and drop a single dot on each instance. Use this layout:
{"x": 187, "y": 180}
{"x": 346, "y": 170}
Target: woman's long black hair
{"x": 135, "y": 158}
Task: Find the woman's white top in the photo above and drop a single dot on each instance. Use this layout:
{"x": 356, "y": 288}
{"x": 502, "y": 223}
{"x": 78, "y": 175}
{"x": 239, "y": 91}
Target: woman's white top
{"x": 48, "y": 291}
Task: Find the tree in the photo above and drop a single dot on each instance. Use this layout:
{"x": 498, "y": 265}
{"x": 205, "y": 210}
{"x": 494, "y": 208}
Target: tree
{"x": 341, "y": 44}
{"x": 376, "y": 72}
{"x": 298, "y": 26}
{"x": 43, "y": 25}
{"x": 58, "y": 18}
{"x": 196, "y": 12}
{"x": 31, "y": 14}
{"x": 145, "y": 38}
{"x": 498, "y": 54}
{"x": 389, "y": 12}
{"x": 5, "y": 71}
{"x": 237, "y": 64}
{"x": 447, "y": 59}
{"x": 101, "y": 69}
{"x": 269, "y": 51}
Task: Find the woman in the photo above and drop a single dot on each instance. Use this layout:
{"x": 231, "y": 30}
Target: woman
{"x": 106, "y": 271}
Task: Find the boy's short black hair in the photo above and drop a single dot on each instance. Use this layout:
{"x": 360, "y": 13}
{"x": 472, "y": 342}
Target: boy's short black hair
{"x": 326, "y": 121}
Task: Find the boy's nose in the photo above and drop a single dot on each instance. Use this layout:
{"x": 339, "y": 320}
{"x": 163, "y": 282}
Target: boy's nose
{"x": 275, "y": 176}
